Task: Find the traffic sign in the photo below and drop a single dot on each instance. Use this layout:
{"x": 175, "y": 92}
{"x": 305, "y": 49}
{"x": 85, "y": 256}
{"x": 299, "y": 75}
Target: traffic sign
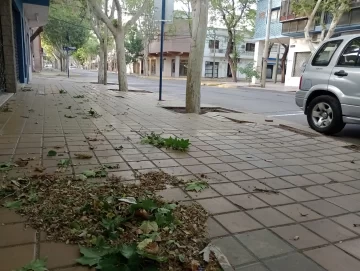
{"x": 169, "y": 10}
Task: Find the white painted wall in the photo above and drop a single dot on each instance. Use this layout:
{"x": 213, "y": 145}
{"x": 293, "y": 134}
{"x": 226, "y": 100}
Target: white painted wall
{"x": 296, "y": 45}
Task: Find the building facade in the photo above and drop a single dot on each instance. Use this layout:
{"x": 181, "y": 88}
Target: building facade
{"x": 18, "y": 19}
{"x": 177, "y": 49}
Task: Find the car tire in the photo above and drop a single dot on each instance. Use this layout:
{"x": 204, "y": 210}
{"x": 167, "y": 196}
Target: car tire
{"x": 331, "y": 105}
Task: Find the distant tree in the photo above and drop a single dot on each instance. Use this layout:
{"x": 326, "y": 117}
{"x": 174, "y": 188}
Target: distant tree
{"x": 88, "y": 51}
{"x": 310, "y": 9}
{"x": 133, "y": 45}
{"x": 235, "y": 15}
{"x": 249, "y": 71}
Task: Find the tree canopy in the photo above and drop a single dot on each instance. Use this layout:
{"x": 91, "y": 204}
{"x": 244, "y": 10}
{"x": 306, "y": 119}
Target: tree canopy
{"x": 133, "y": 45}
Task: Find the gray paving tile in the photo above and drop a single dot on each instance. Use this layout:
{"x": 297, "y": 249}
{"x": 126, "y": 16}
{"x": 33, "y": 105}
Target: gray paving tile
{"x": 214, "y": 228}
{"x": 355, "y": 184}
{"x": 298, "y": 212}
{"x": 329, "y": 230}
{"x": 227, "y": 189}
{"x": 252, "y": 267}
{"x": 342, "y": 188}
{"x": 264, "y": 243}
{"x": 322, "y": 191}
{"x": 298, "y": 180}
{"x": 317, "y": 178}
{"x": 352, "y": 247}
{"x": 217, "y": 205}
{"x": 293, "y": 262}
{"x": 236, "y": 176}
{"x": 273, "y": 199}
{"x": 348, "y": 221}
{"x": 348, "y": 202}
{"x": 251, "y": 185}
{"x": 246, "y": 201}
{"x": 276, "y": 183}
{"x": 338, "y": 177}
{"x": 238, "y": 222}
{"x": 298, "y": 194}
{"x": 333, "y": 259}
{"x": 258, "y": 173}
{"x": 234, "y": 251}
{"x": 270, "y": 217}
{"x": 299, "y": 236}
{"x": 324, "y": 208}
{"x": 173, "y": 194}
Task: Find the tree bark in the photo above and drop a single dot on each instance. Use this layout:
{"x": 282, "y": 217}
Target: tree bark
{"x": 335, "y": 20}
{"x": 229, "y": 51}
{"x": 308, "y": 26}
{"x": 199, "y": 29}
{"x": 146, "y": 58}
{"x": 283, "y": 62}
{"x": 121, "y": 62}
{"x": 101, "y": 64}
{"x": 105, "y": 56}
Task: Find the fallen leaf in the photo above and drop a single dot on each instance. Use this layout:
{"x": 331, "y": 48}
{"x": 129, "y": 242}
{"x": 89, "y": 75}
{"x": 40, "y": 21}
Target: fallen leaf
{"x": 89, "y": 173}
{"x": 196, "y": 186}
{"x": 39, "y": 169}
{"x": 296, "y": 238}
{"x": 83, "y": 156}
{"x": 221, "y": 258}
{"x": 181, "y": 258}
{"x": 80, "y": 177}
{"x": 52, "y": 153}
{"x": 268, "y": 191}
{"x": 149, "y": 226}
{"x": 143, "y": 244}
{"x": 21, "y": 163}
{"x": 195, "y": 265}
{"x": 13, "y": 205}
{"x": 152, "y": 248}
{"x": 130, "y": 200}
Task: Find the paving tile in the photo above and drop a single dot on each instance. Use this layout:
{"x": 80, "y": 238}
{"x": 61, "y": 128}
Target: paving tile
{"x": 270, "y": 217}
{"x": 293, "y": 262}
{"x": 59, "y": 254}
{"x": 110, "y": 159}
{"x": 177, "y": 171}
{"x": 333, "y": 259}
{"x": 306, "y": 238}
{"x": 348, "y": 221}
{"x": 214, "y": 228}
{"x": 173, "y": 194}
{"x": 273, "y": 199}
{"x": 8, "y": 216}
{"x": 279, "y": 171}
{"x": 251, "y": 185}
{"x": 188, "y": 161}
{"x": 324, "y": 208}
{"x": 246, "y": 201}
{"x": 342, "y": 188}
{"x": 222, "y": 167}
{"x": 217, "y": 205}
{"x": 348, "y": 202}
{"x": 352, "y": 247}
{"x": 276, "y": 183}
{"x": 261, "y": 164}
{"x": 355, "y": 184}
{"x": 252, "y": 267}
{"x": 298, "y": 212}
{"x": 134, "y": 157}
{"x": 298, "y": 169}
{"x": 13, "y": 258}
{"x": 329, "y": 230}
{"x": 209, "y": 160}
{"x": 322, "y": 191}
{"x": 234, "y": 251}
{"x": 165, "y": 163}
{"x": 242, "y": 165}
{"x": 16, "y": 234}
{"x": 198, "y": 169}
{"x": 141, "y": 165}
{"x": 263, "y": 243}
{"x": 258, "y": 173}
{"x": 198, "y": 154}
{"x": 338, "y": 177}
{"x": 206, "y": 193}
{"x": 298, "y": 180}
{"x": 228, "y": 159}
{"x": 317, "y": 178}
{"x": 157, "y": 155}
{"x": 215, "y": 178}
{"x": 226, "y": 189}
{"x": 238, "y": 222}
{"x": 298, "y": 194}
{"x": 236, "y": 176}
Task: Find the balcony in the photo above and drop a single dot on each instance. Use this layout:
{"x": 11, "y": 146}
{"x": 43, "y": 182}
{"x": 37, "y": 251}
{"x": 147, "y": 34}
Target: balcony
{"x": 286, "y": 14}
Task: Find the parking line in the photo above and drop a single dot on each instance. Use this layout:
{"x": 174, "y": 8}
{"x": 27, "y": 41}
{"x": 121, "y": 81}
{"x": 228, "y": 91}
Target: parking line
{"x": 284, "y": 115}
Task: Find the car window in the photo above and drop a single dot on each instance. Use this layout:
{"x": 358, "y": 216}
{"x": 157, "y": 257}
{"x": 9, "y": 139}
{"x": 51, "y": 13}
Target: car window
{"x": 324, "y": 55}
{"x": 350, "y": 56}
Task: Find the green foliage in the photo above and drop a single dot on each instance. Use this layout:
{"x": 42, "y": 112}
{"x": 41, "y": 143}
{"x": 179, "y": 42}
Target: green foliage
{"x": 13, "y": 205}
{"x": 88, "y": 50}
{"x": 51, "y": 153}
{"x": 6, "y": 166}
{"x": 169, "y": 143}
{"x": 64, "y": 162}
{"x": 197, "y": 186}
{"x": 249, "y": 71}
{"x": 35, "y": 265}
{"x": 133, "y": 45}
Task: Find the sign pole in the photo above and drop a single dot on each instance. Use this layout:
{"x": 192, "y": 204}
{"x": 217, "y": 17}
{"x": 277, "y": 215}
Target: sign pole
{"x": 162, "y": 47}
{"x": 68, "y": 64}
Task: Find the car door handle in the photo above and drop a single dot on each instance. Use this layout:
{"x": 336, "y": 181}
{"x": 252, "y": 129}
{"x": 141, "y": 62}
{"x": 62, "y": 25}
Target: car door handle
{"x": 341, "y": 73}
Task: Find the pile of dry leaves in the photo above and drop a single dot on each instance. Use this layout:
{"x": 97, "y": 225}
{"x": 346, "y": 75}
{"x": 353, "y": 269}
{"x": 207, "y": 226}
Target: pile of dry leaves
{"x": 114, "y": 223}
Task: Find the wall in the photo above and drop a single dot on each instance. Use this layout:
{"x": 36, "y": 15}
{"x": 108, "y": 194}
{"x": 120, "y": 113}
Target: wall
{"x": 260, "y": 22}
{"x": 296, "y": 45}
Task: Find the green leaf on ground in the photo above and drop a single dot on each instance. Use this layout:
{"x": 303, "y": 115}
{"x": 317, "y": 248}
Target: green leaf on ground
{"x": 149, "y": 226}
{"x": 196, "y": 186}
{"x": 52, "y": 153}
{"x": 89, "y": 173}
{"x": 128, "y": 250}
{"x": 143, "y": 244}
{"x": 182, "y": 258}
{"x": 35, "y": 265}
{"x": 91, "y": 256}
{"x": 64, "y": 162}
{"x": 6, "y": 166}
{"x": 13, "y": 205}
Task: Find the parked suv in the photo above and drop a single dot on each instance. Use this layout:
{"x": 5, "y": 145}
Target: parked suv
{"x": 329, "y": 91}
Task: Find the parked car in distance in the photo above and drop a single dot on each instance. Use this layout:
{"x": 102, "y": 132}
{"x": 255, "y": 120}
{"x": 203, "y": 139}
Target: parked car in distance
{"x": 329, "y": 90}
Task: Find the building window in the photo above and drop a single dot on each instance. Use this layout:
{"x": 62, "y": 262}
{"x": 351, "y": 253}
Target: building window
{"x": 275, "y": 15}
{"x": 250, "y": 47}
{"x": 350, "y": 57}
{"x": 213, "y": 43}
{"x": 300, "y": 59}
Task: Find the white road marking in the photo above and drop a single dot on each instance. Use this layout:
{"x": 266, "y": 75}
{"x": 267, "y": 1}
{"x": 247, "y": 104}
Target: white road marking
{"x": 284, "y": 115}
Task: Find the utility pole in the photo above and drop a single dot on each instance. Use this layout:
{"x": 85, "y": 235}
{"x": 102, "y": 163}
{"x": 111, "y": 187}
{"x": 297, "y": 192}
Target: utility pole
{"x": 213, "y": 66}
{"x": 162, "y": 47}
{"x": 266, "y": 49}
{"x": 277, "y": 63}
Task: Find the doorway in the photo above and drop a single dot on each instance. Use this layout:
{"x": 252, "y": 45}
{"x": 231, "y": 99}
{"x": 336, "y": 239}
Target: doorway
{"x": 183, "y": 67}
{"x": 209, "y": 69}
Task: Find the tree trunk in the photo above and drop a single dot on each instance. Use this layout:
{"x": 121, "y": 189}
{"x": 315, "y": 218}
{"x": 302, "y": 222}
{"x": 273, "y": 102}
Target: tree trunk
{"x": 146, "y": 58}
{"x": 199, "y": 29}
{"x": 61, "y": 63}
{"x": 230, "y": 50}
{"x": 105, "y": 64}
{"x": 335, "y": 21}
{"x": 121, "y": 62}
{"x": 309, "y": 24}
{"x": 101, "y": 64}
{"x": 283, "y": 62}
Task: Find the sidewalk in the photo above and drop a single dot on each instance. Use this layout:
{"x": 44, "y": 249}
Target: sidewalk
{"x": 278, "y": 200}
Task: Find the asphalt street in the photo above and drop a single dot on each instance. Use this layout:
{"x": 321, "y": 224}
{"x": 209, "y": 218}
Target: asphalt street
{"x": 274, "y": 104}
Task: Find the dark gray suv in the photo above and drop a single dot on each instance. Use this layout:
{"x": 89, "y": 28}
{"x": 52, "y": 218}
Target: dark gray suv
{"x": 329, "y": 90}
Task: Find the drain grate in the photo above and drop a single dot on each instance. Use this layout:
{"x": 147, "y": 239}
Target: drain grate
{"x": 204, "y": 110}
{"x": 298, "y": 131}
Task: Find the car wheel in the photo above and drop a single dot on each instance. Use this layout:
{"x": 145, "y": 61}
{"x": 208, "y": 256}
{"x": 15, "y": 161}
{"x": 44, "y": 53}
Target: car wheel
{"x": 324, "y": 115}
